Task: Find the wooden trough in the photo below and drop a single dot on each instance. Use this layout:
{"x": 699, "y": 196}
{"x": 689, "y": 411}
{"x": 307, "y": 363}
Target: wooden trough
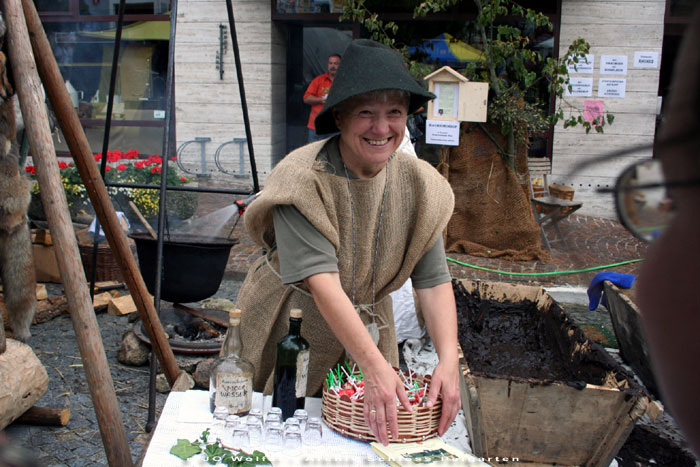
{"x": 549, "y": 422}
{"x": 627, "y": 325}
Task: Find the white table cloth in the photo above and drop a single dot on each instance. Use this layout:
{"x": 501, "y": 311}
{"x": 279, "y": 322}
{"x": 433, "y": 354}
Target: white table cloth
{"x": 186, "y": 415}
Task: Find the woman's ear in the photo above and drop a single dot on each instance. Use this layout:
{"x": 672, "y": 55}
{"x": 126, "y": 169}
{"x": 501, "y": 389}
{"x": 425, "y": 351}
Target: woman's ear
{"x": 336, "y": 117}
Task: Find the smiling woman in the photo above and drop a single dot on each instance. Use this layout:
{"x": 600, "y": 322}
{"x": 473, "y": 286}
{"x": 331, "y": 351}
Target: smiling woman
{"x": 346, "y": 221}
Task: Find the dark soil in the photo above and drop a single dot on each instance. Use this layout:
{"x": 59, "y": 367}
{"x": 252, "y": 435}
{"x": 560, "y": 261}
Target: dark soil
{"x": 514, "y": 339}
{"x": 646, "y": 448}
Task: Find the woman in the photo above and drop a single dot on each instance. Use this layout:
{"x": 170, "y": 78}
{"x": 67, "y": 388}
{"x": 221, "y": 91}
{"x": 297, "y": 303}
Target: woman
{"x": 346, "y": 221}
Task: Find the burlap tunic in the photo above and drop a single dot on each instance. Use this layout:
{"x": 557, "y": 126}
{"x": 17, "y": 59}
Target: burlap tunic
{"x": 418, "y": 206}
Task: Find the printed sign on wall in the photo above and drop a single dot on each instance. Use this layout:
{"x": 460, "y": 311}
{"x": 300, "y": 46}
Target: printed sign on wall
{"x": 608, "y": 87}
{"x": 646, "y": 59}
{"x": 613, "y": 65}
{"x": 584, "y": 66}
{"x": 580, "y": 87}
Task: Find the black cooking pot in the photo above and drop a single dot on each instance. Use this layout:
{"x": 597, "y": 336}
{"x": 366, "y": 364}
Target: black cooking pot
{"x": 193, "y": 267}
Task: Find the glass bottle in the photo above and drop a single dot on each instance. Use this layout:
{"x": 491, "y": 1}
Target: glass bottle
{"x": 291, "y": 368}
{"x": 231, "y": 377}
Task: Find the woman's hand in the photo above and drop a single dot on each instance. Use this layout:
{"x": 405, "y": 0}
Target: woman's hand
{"x": 445, "y": 383}
{"x": 382, "y": 387}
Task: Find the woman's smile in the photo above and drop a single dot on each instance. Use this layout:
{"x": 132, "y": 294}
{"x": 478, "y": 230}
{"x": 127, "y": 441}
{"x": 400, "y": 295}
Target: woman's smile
{"x": 371, "y": 130}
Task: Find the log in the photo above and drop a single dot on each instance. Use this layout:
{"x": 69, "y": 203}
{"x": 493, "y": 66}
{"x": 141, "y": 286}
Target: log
{"x": 53, "y": 198}
{"x": 45, "y": 416}
{"x": 23, "y": 380}
{"x": 96, "y": 190}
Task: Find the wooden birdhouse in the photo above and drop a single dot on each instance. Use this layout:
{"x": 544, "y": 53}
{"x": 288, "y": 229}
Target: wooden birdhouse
{"x": 457, "y": 97}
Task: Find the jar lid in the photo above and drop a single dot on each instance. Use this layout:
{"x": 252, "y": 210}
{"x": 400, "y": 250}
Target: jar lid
{"x": 235, "y": 313}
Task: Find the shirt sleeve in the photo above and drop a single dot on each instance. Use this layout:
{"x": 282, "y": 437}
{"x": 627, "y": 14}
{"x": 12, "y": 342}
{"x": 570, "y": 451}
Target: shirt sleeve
{"x": 312, "y": 90}
{"x": 431, "y": 269}
{"x": 302, "y": 250}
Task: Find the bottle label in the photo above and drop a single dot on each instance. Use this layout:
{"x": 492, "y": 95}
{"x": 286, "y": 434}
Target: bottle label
{"x": 302, "y": 373}
{"x": 234, "y": 391}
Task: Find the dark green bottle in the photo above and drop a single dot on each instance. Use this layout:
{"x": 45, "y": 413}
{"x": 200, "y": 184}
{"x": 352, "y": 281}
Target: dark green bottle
{"x": 291, "y": 368}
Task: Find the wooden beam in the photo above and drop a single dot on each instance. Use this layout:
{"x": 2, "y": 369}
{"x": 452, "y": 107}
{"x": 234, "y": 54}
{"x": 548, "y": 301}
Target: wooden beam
{"x": 53, "y": 198}
{"x": 82, "y": 155}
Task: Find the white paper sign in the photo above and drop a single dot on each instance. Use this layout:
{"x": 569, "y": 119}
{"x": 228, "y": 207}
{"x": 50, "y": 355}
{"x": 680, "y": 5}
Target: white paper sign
{"x": 608, "y": 87}
{"x": 646, "y": 59}
{"x": 583, "y": 66}
{"x": 580, "y": 87}
{"x": 446, "y": 103}
{"x": 613, "y": 64}
{"x": 442, "y": 132}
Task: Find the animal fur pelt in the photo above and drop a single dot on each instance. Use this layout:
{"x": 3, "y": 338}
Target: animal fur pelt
{"x": 16, "y": 260}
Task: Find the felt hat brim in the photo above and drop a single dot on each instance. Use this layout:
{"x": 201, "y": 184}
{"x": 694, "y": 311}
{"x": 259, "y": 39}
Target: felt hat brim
{"x": 369, "y": 66}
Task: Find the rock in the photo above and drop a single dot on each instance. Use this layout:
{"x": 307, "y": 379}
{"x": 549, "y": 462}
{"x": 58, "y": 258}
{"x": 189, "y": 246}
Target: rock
{"x": 162, "y": 384}
{"x": 132, "y": 351}
{"x": 201, "y": 374}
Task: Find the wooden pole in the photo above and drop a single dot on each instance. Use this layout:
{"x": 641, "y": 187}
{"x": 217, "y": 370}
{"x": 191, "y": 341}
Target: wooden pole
{"x": 53, "y": 198}
{"x": 84, "y": 161}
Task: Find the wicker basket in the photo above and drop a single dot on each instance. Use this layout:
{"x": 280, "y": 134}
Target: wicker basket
{"x": 347, "y": 418}
{"x": 107, "y": 267}
{"x": 561, "y": 192}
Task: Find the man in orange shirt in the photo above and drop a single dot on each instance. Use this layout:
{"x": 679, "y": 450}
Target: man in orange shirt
{"x": 316, "y": 93}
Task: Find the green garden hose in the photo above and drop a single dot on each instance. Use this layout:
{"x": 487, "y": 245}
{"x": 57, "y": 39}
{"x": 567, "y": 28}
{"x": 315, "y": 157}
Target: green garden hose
{"x": 551, "y": 273}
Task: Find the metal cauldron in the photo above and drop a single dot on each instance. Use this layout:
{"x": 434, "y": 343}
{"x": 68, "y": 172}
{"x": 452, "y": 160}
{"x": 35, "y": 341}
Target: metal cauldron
{"x": 193, "y": 267}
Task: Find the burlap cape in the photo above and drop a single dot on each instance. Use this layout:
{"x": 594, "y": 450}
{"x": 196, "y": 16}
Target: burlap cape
{"x": 418, "y": 206}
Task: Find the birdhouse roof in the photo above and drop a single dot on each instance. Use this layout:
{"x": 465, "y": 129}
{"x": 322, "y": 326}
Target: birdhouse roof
{"x": 445, "y": 72}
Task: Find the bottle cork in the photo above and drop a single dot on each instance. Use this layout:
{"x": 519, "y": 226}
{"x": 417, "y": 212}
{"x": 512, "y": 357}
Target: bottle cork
{"x": 234, "y": 313}
{"x": 295, "y": 313}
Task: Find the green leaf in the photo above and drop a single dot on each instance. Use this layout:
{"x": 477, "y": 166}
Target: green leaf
{"x": 610, "y": 118}
{"x": 215, "y": 453}
{"x": 185, "y": 449}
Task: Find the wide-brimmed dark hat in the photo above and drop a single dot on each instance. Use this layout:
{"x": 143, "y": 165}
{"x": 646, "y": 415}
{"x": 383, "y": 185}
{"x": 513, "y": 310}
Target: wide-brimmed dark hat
{"x": 369, "y": 66}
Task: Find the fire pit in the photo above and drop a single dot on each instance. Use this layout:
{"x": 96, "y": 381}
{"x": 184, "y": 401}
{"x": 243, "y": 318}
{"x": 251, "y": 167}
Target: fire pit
{"x": 190, "y": 330}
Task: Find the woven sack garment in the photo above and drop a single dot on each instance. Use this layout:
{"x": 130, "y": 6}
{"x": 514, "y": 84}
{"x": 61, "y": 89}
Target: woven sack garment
{"x": 418, "y": 205}
{"x": 493, "y": 217}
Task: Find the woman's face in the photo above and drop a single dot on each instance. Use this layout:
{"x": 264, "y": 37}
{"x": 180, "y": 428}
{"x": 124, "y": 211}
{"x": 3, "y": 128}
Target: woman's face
{"x": 371, "y": 129}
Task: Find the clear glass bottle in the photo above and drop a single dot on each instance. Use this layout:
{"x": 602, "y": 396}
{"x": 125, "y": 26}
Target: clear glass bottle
{"x": 291, "y": 368}
{"x": 231, "y": 377}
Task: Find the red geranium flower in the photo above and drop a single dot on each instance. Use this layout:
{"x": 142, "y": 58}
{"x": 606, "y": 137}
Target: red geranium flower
{"x": 107, "y": 168}
{"x": 139, "y": 164}
{"x": 62, "y": 165}
{"x": 30, "y": 169}
{"x": 121, "y": 167}
{"x": 98, "y": 156}
{"x": 114, "y": 156}
{"x": 131, "y": 154}
{"x": 183, "y": 179}
{"x": 155, "y": 170}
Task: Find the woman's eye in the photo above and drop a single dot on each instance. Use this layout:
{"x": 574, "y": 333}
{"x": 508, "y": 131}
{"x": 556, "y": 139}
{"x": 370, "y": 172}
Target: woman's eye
{"x": 364, "y": 113}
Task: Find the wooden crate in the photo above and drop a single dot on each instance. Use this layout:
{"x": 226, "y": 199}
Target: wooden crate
{"x": 630, "y": 335}
{"x": 547, "y": 422}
